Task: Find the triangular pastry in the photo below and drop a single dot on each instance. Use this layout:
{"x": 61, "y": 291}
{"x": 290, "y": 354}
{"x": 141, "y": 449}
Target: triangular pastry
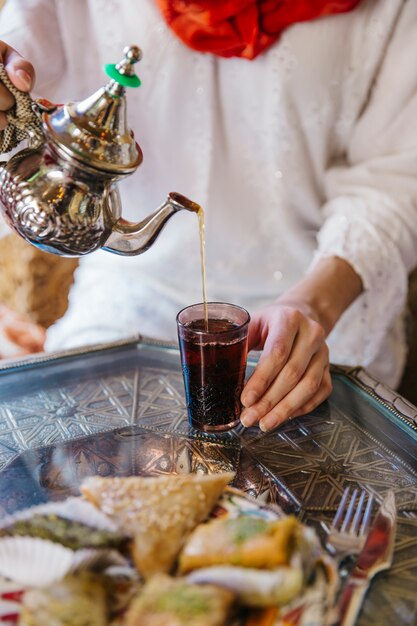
{"x": 158, "y": 512}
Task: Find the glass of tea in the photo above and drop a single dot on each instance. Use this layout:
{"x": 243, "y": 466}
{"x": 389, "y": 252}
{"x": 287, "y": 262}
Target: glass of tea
{"x": 213, "y": 339}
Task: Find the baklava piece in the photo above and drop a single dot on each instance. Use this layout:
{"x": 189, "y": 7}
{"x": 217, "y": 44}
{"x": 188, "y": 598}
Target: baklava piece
{"x": 166, "y": 601}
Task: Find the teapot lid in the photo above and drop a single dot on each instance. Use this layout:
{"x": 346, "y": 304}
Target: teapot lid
{"x": 95, "y": 131}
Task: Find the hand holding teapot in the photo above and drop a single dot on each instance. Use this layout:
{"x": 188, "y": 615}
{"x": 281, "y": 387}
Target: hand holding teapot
{"x": 60, "y": 192}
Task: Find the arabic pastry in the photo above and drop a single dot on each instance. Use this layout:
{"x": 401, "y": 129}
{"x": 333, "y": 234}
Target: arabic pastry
{"x": 249, "y": 555}
{"x": 246, "y": 541}
{"x": 253, "y": 587}
{"x": 74, "y": 601}
{"x": 69, "y": 533}
{"x": 159, "y": 513}
{"x": 166, "y": 601}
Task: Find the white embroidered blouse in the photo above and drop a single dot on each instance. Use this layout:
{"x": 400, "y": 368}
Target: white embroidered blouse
{"x": 308, "y": 151}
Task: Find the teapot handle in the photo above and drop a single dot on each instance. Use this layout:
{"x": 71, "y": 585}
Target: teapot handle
{"x": 24, "y": 118}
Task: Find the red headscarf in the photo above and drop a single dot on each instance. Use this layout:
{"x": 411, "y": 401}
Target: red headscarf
{"x": 241, "y": 28}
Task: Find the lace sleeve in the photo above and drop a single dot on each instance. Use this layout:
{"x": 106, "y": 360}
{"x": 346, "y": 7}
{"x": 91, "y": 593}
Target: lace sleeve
{"x": 370, "y": 218}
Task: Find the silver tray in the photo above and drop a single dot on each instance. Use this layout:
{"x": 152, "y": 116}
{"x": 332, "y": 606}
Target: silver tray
{"x": 119, "y": 409}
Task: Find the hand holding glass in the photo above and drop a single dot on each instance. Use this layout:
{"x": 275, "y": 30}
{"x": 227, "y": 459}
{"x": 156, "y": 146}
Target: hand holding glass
{"x": 213, "y": 356}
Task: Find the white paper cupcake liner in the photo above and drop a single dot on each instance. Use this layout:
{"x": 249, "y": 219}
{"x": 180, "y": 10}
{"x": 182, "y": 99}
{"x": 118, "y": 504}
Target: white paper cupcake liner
{"x": 35, "y": 562}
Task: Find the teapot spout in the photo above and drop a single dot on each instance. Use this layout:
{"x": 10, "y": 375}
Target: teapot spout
{"x": 130, "y": 239}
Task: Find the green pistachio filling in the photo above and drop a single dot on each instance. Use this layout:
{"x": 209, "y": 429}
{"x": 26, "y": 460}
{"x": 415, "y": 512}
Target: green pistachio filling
{"x": 183, "y": 601}
{"x": 73, "y": 535}
{"x": 245, "y": 527}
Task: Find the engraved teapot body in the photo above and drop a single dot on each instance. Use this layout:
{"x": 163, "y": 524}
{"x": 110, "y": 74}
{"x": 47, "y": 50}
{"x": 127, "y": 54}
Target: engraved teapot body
{"x": 60, "y": 193}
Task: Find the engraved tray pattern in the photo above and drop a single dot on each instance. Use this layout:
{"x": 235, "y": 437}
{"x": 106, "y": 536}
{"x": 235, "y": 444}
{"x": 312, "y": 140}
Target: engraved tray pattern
{"x": 120, "y": 410}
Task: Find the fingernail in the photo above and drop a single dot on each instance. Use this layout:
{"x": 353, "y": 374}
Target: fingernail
{"x": 24, "y": 78}
{"x": 263, "y": 426}
{"x": 250, "y": 398}
{"x": 249, "y": 418}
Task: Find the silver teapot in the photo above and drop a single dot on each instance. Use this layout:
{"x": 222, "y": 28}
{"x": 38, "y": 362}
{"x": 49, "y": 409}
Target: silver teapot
{"x": 60, "y": 192}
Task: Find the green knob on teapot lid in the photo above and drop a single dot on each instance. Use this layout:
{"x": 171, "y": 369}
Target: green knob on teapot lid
{"x": 123, "y": 73}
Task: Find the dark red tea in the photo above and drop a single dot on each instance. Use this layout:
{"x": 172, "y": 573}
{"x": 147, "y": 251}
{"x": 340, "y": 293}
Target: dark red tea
{"x": 214, "y": 372}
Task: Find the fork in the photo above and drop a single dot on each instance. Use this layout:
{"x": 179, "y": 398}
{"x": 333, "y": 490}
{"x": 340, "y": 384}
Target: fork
{"x": 349, "y": 527}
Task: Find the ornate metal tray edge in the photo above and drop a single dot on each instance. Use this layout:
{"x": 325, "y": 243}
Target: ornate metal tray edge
{"x": 389, "y": 402}
{"x": 45, "y": 358}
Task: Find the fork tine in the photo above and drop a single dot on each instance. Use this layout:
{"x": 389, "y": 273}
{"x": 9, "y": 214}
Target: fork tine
{"x": 349, "y": 512}
{"x": 344, "y": 538}
{"x": 358, "y": 513}
{"x": 367, "y": 515}
{"x": 339, "y": 513}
